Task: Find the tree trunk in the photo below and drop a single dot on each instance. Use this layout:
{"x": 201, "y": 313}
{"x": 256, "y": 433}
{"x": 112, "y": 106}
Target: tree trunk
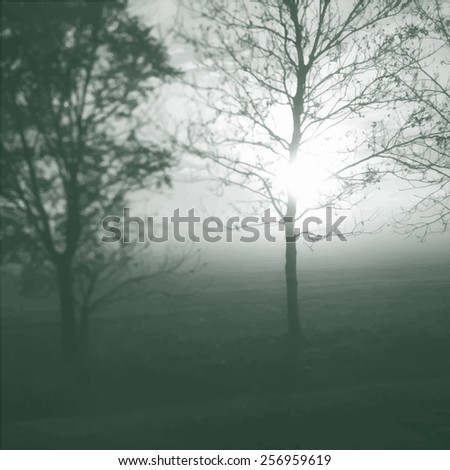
{"x": 293, "y": 314}
{"x": 67, "y": 310}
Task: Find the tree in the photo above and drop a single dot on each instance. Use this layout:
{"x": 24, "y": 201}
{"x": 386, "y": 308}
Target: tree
{"x": 414, "y": 142}
{"x": 273, "y": 79}
{"x": 74, "y": 76}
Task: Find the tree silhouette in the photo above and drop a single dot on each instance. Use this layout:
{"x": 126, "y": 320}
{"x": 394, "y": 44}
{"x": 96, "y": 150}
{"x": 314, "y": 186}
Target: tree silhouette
{"x": 74, "y": 75}
{"x": 320, "y": 65}
{"x": 415, "y": 140}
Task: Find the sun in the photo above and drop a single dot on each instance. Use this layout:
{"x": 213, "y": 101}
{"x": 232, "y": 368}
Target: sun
{"x": 308, "y": 180}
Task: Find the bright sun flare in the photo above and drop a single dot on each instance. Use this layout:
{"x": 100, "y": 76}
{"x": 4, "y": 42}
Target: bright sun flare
{"x": 307, "y": 180}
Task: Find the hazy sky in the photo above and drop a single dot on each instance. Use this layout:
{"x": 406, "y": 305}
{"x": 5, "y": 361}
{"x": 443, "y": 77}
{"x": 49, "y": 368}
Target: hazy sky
{"x": 384, "y": 202}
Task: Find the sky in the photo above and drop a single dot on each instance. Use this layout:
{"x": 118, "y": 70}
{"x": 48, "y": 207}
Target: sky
{"x": 382, "y": 204}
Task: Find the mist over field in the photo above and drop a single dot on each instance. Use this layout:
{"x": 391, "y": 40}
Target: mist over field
{"x": 207, "y": 369}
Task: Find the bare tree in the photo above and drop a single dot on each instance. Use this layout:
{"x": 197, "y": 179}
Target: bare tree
{"x": 74, "y": 76}
{"x": 269, "y": 82}
{"x": 414, "y": 140}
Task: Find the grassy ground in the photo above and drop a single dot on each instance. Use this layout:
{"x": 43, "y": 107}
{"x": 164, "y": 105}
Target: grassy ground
{"x": 210, "y": 371}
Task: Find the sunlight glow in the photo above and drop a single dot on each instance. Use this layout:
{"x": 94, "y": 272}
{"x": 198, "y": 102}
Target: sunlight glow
{"x": 307, "y": 180}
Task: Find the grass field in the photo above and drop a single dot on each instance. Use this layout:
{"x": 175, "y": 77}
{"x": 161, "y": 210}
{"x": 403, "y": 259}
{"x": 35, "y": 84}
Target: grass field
{"x": 210, "y": 370}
